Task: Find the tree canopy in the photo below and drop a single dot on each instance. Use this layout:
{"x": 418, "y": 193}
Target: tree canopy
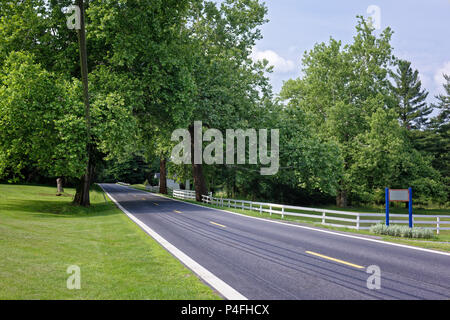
{"x": 355, "y": 122}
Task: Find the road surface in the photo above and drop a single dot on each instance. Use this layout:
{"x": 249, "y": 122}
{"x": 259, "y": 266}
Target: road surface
{"x": 266, "y": 260}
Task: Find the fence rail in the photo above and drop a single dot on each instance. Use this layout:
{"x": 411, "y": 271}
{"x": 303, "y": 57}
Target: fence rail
{"x": 156, "y": 189}
{"x": 152, "y": 188}
{"x": 336, "y": 218}
{"x": 184, "y": 194}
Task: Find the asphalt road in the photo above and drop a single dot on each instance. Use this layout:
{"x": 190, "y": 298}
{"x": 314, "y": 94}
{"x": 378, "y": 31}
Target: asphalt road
{"x": 266, "y": 260}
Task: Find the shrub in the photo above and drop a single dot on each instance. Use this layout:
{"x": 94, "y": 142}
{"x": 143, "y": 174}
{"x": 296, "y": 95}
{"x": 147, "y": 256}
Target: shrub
{"x": 402, "y": 231}
{"x": 379, "y": 228}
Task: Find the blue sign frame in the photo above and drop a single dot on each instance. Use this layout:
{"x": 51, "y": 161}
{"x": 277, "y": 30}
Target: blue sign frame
{"x": 410, "y": 216}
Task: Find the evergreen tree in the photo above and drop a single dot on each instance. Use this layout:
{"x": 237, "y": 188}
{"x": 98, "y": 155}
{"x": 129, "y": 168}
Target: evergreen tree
{"x": 410, "y": 103}
{"x": 442, "y": 121}
{"x": 435, "y": 140}
{"x": 441, "y": 126}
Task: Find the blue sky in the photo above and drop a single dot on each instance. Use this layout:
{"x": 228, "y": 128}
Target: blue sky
{"x": 421, "y": 34}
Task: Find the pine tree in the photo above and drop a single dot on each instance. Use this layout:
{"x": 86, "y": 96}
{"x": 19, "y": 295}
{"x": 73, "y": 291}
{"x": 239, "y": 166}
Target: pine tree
{"x": 442, "y": 121}
{"x": 441, "y": 126}
{"x": 435, "y": 140}
{"x": 409, "y": 97}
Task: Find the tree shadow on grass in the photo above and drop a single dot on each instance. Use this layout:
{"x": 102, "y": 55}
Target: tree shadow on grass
{"x": 49, "y": 208}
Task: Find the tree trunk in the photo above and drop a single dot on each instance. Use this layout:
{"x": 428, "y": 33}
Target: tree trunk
{"x": 341, "y": 199}
{"x": 31, "y": 176}
{"x": 199, "y": 181}
{"x": 162, "y": 175}
{"x": 197, "y": 171}
{"x": 83, "y": 187}
{"x": 82, "y": 193}
{"x": 59, "y": 186}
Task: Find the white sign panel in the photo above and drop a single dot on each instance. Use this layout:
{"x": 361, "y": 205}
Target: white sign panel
{"x": 399, "y": 195}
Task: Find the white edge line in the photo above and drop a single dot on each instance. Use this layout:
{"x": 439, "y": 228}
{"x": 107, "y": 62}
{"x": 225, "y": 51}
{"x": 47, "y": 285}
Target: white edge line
{"x": 224, "y": 289}
{"x": 311, "y": 228}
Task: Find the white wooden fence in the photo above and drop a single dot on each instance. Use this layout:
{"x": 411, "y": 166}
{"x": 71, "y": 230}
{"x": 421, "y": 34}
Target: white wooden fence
{"x": 348, "y": 219}
{"x": 152, "y": 188}
{"x": 184, "y": 194}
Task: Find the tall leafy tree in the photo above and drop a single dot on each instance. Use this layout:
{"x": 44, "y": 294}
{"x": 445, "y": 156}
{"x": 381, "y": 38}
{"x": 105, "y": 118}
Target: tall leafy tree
{"x": 410, "y": 99}
{"x": 341, "y": 87}
{"x": 39, "y": 123}
{"x": 146, "y": 43}
{"x": 345, "y": 91}
{"x": 390, "y": 160}
{"x": 228, "y": 86}
{"x": 42, "y": 121}
{"x": 38, "y": 28}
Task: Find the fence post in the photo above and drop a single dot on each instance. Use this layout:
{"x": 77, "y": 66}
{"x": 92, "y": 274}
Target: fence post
{"x": 270, "y": 209}
{"x": 260, "y": 209}
{"x": 229, "y": 204}
{"x": 411, "y": 223}
{"x": 357, "y": 222}
{"x": 438, "y": 219}
{"x": 386, "y": 195}
{"x": 251, "y": 206}
{"x": 323, "y": 217}
{"x": 282, "y": 212}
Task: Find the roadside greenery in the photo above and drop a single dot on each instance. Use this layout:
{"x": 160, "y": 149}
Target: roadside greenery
{"x": 436, "y": 242}
{"x": 402, "y": 231}
{"x": 42, "y": 235}
{"x": 355, "y": 122}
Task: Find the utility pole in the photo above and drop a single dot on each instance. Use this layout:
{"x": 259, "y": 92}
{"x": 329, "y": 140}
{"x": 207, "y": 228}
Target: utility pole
{"x": 85, "y": 200}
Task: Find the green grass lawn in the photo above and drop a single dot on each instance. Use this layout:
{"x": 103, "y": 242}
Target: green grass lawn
{"x": 440, "y": 242}
{"x": 41, "y": 235}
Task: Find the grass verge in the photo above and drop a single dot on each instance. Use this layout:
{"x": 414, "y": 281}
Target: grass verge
{"x": 41, "y": 235}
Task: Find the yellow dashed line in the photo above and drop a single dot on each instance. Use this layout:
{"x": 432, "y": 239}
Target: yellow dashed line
{"x": 335, "y": 260}
{"x": 177, "y": 211}
{"x": 155, "y": 204}
{"x": 218, "y": 224}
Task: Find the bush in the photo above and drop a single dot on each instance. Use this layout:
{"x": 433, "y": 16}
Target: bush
{"x": 402, "y": 231}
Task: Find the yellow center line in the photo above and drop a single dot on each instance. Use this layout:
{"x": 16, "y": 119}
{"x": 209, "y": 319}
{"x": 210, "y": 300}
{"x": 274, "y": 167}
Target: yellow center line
{"x": 177, "y": 211}
{"x": 143, "y": 198}
{"x": 218, "y": 224}
{"x": 335, "y": 260}
{"x": 155, "y": 204}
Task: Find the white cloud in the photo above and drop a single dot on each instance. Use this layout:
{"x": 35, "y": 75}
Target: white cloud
{"x": 438, "y": 76}
{"x": 426, "y": 81}
{"x": 280, "y": 64}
